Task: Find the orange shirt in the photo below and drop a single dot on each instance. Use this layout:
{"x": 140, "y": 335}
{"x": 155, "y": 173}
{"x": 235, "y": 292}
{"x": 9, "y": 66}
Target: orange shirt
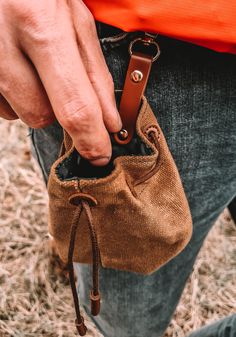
{"x": 208, "y": 23}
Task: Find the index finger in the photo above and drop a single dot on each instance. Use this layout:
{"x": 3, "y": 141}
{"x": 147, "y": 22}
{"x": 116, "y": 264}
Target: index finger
{"x": 75, "y": 104}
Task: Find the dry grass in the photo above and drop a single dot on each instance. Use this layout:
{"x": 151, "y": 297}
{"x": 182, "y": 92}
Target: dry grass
{"x": 35, "y": 298}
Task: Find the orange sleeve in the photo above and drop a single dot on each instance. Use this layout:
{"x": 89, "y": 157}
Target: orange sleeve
{"x": 208, "y": 23}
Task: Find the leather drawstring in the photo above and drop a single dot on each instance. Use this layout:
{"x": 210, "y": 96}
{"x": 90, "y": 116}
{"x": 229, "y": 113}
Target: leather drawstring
{"x": 154, "y": 138}
{"x": 94, "y": 294}
{"x": 81, "y": 200}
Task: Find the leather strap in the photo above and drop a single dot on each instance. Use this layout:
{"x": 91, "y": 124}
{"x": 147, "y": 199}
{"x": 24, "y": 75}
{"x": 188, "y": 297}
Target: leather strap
{"x": 134, "y": 87}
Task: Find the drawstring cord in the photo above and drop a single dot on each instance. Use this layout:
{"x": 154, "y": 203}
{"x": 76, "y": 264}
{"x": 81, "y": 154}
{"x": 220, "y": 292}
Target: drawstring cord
{"x": 82, "y": 202}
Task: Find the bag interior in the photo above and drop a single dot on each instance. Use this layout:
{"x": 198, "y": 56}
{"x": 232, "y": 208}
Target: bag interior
{"x": 76, "y": 167}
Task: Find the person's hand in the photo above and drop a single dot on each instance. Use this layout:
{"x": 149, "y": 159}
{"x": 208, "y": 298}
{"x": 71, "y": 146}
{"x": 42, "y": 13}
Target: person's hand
{"x": 52, "y": 66}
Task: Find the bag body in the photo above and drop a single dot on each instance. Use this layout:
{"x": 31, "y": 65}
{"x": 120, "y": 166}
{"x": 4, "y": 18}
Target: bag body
{"x": 140, "y": 213}
{"x": 131, "y": 214}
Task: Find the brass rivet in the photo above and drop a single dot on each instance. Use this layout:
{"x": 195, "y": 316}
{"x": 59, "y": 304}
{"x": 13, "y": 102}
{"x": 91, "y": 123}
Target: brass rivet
{"x": 136, "y": 76}
{"x": 123, "y": 134}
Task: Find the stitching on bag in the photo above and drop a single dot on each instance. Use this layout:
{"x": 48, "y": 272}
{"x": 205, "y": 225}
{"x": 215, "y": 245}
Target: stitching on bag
{"x": 159, "y": 160}
{"x": 151, "y": 127}
{"x": 131, "y": 187}
{"x": 140, "y": 117}
{"x": 145, "y": 182}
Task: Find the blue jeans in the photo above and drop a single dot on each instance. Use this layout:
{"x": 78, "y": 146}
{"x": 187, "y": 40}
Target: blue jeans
{"x": 192, "y": 90}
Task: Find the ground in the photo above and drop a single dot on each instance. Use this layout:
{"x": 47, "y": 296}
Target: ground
{"x": 35, "y": 298}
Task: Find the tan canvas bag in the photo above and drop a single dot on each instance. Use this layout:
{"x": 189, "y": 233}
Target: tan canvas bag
{"x": 130, "y": 215}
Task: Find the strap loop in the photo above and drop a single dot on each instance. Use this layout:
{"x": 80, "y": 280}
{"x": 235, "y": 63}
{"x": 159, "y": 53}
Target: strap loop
{"x": 135, "y": 84}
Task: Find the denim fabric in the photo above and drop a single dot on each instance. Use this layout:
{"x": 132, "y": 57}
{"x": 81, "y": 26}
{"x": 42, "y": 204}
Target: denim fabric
{"x": 225, "y": 327}
{"x": 192, "y": 90}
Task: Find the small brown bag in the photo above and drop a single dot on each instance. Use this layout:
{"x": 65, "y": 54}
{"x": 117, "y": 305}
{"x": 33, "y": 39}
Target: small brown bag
{"x": 130, "y": 215}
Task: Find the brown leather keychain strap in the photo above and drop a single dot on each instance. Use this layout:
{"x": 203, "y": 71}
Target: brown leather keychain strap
{"x": 134, "y": 87}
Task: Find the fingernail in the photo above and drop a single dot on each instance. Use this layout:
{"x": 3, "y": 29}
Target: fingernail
{"x": 100, "y": 161}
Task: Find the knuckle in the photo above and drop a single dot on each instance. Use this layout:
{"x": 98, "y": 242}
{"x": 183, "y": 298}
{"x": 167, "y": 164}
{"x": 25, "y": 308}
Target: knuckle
{"x": 40, "y": 123}
{"x": 41, "y": 37}
{"x": 34, "y": 117}
{"x": 107, "y": 81}
{"x": 87, "y": 20}
{"x": 24, "y": 11}
{"x": 74, "y": 114}
{"x": 36, "y": 25}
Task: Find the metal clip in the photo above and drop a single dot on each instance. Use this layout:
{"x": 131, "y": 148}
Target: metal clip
{"x": 147, "y": 40}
